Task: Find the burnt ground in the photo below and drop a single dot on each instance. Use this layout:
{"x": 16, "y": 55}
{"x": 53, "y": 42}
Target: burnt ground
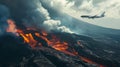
{"x": 15, "y": 55}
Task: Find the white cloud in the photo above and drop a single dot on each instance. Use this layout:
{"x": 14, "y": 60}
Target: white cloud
{"x": 42, "y": 10}
{"x": 112, "y": 8}
{"x": 76, "y": 8}
{"x": 89, "y": 7}
{"x": 59, "y": 5}
{"x": 55, "y": 25}
{"x": 86, "y": 5}
{"x": 64, "y": 29}
{"x": 49, "y": 23}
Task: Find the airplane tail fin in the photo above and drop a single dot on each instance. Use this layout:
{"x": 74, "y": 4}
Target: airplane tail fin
{"x": 103, "y": 14}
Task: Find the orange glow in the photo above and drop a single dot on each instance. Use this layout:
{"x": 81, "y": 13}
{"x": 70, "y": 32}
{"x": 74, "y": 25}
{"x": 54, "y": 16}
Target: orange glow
{"x": 87, "y": 60}
{"x": 54, "y": 42}
{"x": 60, "y": 46}
{"x": 44, "y": 33}
{"x": 28, "y": 38}
{"x": 11, "y": 27}
{"x": 90, "y": 61}
{"x": 43, "y": 37}
{"x": 25, "y": 38}
{"x": 32, "y": 41}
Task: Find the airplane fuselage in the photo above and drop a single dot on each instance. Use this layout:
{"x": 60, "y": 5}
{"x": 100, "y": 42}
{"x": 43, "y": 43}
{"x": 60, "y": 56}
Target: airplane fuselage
{"x": 92, "y": 17}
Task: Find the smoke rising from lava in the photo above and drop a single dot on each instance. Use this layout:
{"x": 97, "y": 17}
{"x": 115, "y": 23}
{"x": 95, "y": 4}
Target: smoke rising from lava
{"x": 51, "y": 24}
{"x": 55, "y": 25}
{"x": 34, "y": 13}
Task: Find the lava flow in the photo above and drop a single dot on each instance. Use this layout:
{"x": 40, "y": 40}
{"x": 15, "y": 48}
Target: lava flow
{"x": 53, "y": 42}
{"x": 32, "y": 37}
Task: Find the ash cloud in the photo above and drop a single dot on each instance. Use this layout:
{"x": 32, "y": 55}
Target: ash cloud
{"x": 36, "y": 15}
{"x": 33, "y": 13}
{"x": 51, "y": 24}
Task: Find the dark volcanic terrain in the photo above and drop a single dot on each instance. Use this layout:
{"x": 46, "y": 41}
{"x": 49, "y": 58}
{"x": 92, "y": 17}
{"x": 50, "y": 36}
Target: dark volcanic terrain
{"x": 92, "y": 46}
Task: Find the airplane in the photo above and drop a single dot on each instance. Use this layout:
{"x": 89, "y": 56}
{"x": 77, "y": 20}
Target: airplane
{"x": 92, "y": 17}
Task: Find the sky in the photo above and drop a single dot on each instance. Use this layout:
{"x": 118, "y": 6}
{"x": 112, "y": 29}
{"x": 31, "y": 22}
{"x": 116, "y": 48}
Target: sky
{"x": 76, "y": 8}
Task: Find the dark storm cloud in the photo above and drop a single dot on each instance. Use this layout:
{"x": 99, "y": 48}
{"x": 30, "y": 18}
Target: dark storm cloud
{"x": 29, "y": 12}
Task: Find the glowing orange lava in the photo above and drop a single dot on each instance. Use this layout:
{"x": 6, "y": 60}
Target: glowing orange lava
{"x": 54, "y": 42}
